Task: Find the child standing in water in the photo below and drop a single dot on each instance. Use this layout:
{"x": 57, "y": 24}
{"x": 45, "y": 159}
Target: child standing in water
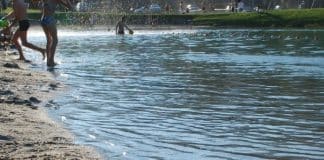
{"x": 121, "y": 25}
{"x": 19, "y": 14}
{"x": 49, "y": 26}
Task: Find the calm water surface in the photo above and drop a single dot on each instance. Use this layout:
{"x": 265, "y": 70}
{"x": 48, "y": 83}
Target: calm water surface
{"x": 194, "y": 94}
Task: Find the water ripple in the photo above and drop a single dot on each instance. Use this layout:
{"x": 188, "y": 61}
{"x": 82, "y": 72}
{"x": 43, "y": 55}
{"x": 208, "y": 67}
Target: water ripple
{"x": 207, "y": 94}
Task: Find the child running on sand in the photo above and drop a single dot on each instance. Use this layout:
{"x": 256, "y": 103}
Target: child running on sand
{"x": 121, "y": 25}
{"x": 19, "y": 14}
{"x": 49, "y": 26}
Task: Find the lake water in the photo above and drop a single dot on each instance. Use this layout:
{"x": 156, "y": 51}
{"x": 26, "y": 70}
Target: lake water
{"x": 193, "y": 93}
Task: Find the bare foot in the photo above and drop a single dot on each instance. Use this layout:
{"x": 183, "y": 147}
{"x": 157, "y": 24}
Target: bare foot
{"x": 44, "y": 54}
{"x": 21, "y": 58}
{"x": 51, "y": 64}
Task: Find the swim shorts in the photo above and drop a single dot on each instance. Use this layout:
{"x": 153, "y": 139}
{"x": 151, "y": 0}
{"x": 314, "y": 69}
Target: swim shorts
{"x": 121, "y": 32}
{"x": 48, "y": 20}
{"x": 23, "y": 25}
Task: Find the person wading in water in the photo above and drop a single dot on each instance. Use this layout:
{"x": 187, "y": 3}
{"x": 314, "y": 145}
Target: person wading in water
{"x": 49, "y": 26}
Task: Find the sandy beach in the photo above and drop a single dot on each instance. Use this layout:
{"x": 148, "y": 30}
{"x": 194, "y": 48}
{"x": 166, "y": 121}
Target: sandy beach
{"x": 26, "y": 131}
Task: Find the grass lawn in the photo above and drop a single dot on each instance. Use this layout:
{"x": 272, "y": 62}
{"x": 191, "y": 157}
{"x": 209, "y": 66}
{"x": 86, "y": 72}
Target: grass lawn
{"x": 276, "y": 18}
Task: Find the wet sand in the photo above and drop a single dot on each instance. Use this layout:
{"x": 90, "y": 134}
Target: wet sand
{"x": 26, "y": 131}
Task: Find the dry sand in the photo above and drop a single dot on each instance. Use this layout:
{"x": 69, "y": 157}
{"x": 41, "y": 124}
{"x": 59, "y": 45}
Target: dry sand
{"x": 26, "y": 131}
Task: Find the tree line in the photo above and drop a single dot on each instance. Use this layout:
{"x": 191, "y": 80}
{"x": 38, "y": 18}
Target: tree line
{"x": 209, "y": 5}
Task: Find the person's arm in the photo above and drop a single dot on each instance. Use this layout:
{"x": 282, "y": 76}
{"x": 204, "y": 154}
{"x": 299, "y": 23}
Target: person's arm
{"x": 117, "y": 27}
{"x": 127, "y": 27}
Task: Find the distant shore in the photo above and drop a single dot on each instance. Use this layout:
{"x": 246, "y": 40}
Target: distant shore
{"x": 26, "y": 131}
{"x": 286, "y": 18}
{"x": 295, "y": 18}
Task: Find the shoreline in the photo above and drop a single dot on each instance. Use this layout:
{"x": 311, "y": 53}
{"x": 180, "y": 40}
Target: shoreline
{"x": 27, "y": 131}
{"x": 110, "y": 28}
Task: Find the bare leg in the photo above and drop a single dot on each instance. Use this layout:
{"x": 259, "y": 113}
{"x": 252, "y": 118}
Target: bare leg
{"x": 48, "y": 40}
{"x": 53, "y": 47}
{"x": 17, "y": 44}
{"x": 52, "y": 40}
{"x": 23, "y": 38}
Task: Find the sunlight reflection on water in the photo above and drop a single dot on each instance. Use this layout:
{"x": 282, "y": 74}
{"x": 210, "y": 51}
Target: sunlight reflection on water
{"x": 195, "y": 94}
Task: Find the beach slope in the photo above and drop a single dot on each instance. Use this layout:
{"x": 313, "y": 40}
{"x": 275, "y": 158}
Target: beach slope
{"x": 26, "y": 131}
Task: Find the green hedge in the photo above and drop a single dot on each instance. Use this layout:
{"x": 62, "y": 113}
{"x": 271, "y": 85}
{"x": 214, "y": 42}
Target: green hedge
{"x": 85, "y": 18}
{"x": 139, "y": 19}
